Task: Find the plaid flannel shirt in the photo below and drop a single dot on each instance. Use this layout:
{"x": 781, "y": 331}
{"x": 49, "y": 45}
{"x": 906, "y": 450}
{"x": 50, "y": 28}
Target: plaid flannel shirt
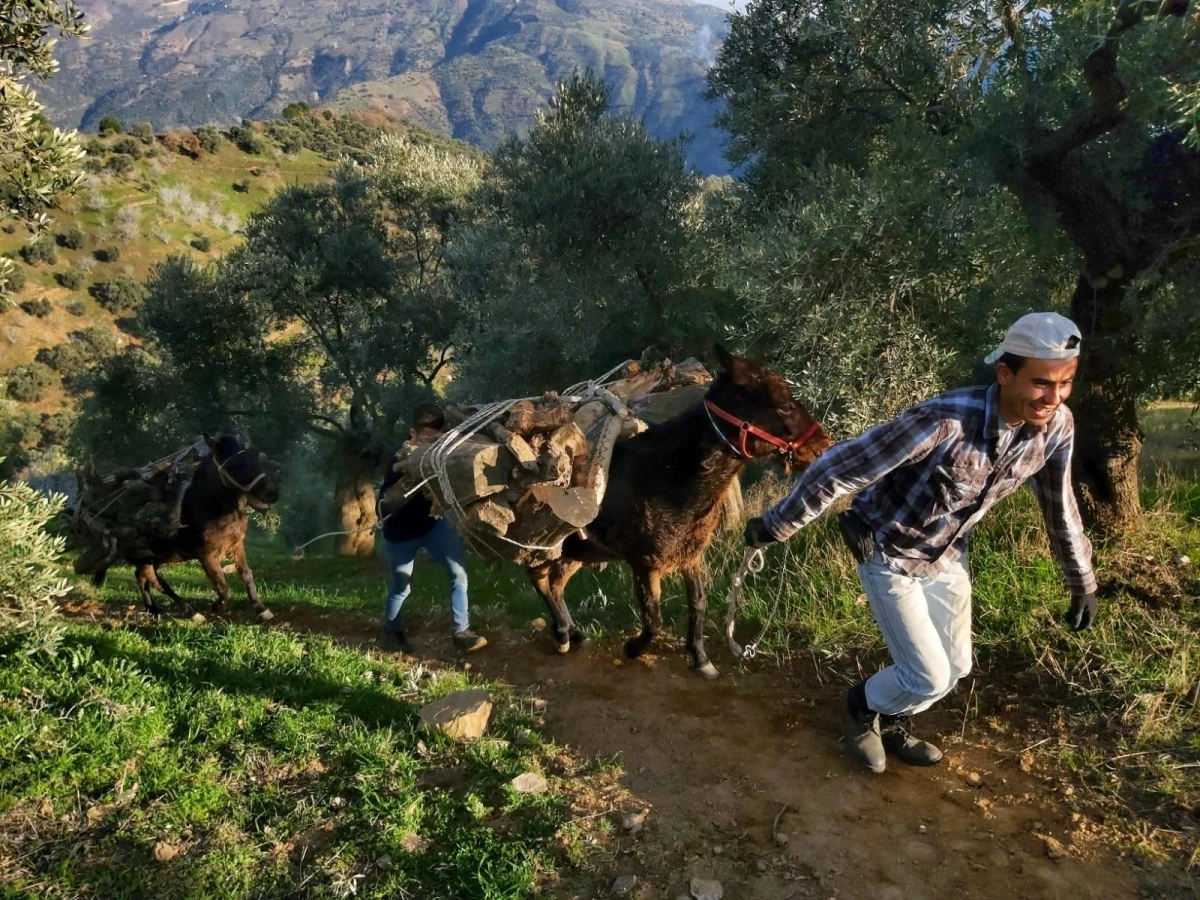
{"x": 924, "y": 479}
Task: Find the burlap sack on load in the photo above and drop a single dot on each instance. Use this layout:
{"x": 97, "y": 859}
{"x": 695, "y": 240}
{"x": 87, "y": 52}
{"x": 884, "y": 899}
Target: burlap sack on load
{"x": 516, "y": 485}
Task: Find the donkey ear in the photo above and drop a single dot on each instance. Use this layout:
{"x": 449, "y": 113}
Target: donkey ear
{"x": 724, "y": 358}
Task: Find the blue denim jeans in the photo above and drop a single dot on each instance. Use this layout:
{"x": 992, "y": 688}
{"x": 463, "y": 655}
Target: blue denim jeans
{"x": 443, "y": 544}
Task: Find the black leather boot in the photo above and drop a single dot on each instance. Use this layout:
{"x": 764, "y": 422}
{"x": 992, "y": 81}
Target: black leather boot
{"x": 898, "y": 740}
{"x": 864, "y": 742}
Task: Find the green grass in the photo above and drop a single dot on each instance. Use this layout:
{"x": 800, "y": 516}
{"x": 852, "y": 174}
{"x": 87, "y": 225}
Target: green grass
{"x": 276, "y": 764}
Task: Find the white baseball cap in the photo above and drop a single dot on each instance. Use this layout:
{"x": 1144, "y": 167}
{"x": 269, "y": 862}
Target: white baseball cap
{"x": 1043, "y": 335}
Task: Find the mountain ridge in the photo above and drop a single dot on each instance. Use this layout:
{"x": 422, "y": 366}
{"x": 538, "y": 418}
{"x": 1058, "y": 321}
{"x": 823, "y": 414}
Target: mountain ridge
{"x": 476, "y": 70}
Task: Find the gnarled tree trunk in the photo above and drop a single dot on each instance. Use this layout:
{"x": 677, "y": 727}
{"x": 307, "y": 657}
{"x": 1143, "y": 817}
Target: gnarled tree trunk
{"x": 1108, "y": 440}
{"x": 354, "y": 499}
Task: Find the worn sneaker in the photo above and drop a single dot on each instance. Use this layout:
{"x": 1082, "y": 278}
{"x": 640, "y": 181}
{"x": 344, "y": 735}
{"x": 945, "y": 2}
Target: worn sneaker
{"x": 468, "y": 641}
{"x": 899, "y": 741}
{"x": 394, "y": 642}
{"x": 864, "y": 743}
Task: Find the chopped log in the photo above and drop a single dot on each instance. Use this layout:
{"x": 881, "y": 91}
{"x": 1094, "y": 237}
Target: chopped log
{"x": 493, "y": 513}
{"x": 665, "y": 405}
{"x": 525, "y": 456}
{"x": 525, "y": 419}
{"x": 477, "y": 468}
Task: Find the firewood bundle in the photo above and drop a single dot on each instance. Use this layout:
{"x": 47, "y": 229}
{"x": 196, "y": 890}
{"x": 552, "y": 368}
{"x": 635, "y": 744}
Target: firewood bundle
{"x": 531, "y": 476}
{"x": 124, "y": 512}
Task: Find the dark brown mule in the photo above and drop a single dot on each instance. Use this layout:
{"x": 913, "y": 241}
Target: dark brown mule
{"x": 663, "y": 501}
{"x": 214, "y": 524}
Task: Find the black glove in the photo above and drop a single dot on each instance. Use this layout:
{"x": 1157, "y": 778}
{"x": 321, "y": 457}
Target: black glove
{"x": 857, "y": 535}
{"x": 757, "y": 535}
{"x": 1082, "y": 612}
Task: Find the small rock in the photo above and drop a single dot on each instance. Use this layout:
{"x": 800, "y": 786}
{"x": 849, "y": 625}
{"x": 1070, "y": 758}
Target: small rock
{"x": 462, "y": 715}
{"x": 781, "y": 839}
{"x": 624, "y": 885}
{"x": 921, "y": 829}
{"x": 974, "y": 780}
{"x": 761, "y": 865}
{"x": 530, "y": 783}
{"x": 1054, "y": 847}
{"x": 718, "y": 850}
{"x": 539, "y": 705}
{"x": 413, "y": 843}
{"x": 705, "y": 889}
{"x": 338, "y": 802}
{"x": 383, "y": 863}
{"x": 539, "y": 624}
{"x": 165, "y": 852}
{"x": 1183, "y": 559}
{"x": 46, "y": 809}
{"x": 633, "y": 822}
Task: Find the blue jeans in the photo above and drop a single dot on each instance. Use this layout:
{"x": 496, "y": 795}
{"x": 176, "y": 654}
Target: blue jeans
{"x": 443, "y": 544}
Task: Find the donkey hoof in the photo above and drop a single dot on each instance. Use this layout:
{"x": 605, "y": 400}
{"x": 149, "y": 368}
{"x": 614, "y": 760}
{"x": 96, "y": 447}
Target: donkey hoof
{"x": 198, "y": 618}
{"x": 708, "y": 671}
{"x": 579, "y": 639}
{"x": 266, "y": 615}
{"x": 634, "y": 648}
{"x": 564, "y": 648}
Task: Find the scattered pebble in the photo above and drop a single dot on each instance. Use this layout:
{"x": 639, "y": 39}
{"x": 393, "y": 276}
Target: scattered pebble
{"x": 634, "y": 821}
{"x": 921, "y": 829}
{"x": 530, "y": 783}
{"x": 706, "y": 889}
{"x": 624, "y": 885}
{"x": 165, "y": 852}
{"x": 781, "y": 839}
{"x": 762, "y": 865}
{"x": 974, "y": 780}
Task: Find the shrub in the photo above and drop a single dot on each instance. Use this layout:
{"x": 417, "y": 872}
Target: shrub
{"x": 107, "y": 254}
{"x": 27, "y": 383}
{"x": 74, "y": 239}
{"x": 98, "y": 341}
{"x": 130, "y": 146}
{"x": 171, "y": 141}
{"x": 295, "y": 110}
{"x": 209, "y": 138}
{"x": 39, "y": 307}
{"x": 96, "y": 147}
{"x": 144, "y": 131}
{"x": 243, "y": 186}
{"x": 71, "y": 279}
{"x": 76, "y": 306}
{"x": 39, "y": 251}
{"x": 247, "y": 139}
{"x": 68, "y": 360}
{"x": 190, "y": 146}
{"x": 118, "y": 295}
{"x": 120, "y": 163}
{"x": 110, "y": 125}
{"x": 30, "y": 578}
{"x": 202, "y": 243}
{"x": 16, "y": 279}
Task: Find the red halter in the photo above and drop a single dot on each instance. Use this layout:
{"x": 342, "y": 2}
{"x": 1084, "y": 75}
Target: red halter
{"x": 746, "y": 429}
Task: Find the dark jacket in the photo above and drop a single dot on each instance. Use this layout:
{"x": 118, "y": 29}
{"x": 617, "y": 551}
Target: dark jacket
{"x": 411, "y": 521}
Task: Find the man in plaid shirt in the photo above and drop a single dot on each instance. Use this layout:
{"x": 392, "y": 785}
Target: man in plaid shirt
{"x": 921, "y": 482}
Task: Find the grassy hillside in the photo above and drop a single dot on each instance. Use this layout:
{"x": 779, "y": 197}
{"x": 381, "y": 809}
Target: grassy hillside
{"x": 475, "y": 70}
{"x": 144, "y": 199}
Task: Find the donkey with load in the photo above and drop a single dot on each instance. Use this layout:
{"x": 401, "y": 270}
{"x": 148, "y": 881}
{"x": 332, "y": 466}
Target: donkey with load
{"x": 191, "y": 505}
{"x": 605, "y": 487}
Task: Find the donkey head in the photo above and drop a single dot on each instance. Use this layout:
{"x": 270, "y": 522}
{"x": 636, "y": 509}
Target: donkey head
{"x": 746, "y": 398}
{"x": 246, "y": 470}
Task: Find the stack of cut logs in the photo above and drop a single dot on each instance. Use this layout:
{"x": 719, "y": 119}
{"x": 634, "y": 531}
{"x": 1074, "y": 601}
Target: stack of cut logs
{"x": 126, "y": 511}
{"x": 527, "y": 480}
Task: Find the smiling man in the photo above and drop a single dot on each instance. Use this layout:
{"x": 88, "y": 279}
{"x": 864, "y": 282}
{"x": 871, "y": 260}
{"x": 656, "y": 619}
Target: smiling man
{"x": 922, "y": 482}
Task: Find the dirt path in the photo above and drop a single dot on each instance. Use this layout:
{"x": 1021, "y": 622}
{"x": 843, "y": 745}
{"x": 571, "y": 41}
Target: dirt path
{"x": 716, "y": 762}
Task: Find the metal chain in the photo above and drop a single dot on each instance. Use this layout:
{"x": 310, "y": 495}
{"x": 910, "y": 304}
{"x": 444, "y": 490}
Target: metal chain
{"x": 753, "y": 563}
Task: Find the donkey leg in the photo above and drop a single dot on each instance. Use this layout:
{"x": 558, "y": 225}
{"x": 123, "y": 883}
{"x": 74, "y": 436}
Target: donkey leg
{"x": 212, "y": 568}
{"x": 542, "y": 578}
{"x": 243, "y": 569}
{"x": 697, "y": 604}
{"x": 561, "y": 572}
{"x": 648, "y": 583}
{"x": 143, "y": 575}
{"x": 161, "y": 584}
